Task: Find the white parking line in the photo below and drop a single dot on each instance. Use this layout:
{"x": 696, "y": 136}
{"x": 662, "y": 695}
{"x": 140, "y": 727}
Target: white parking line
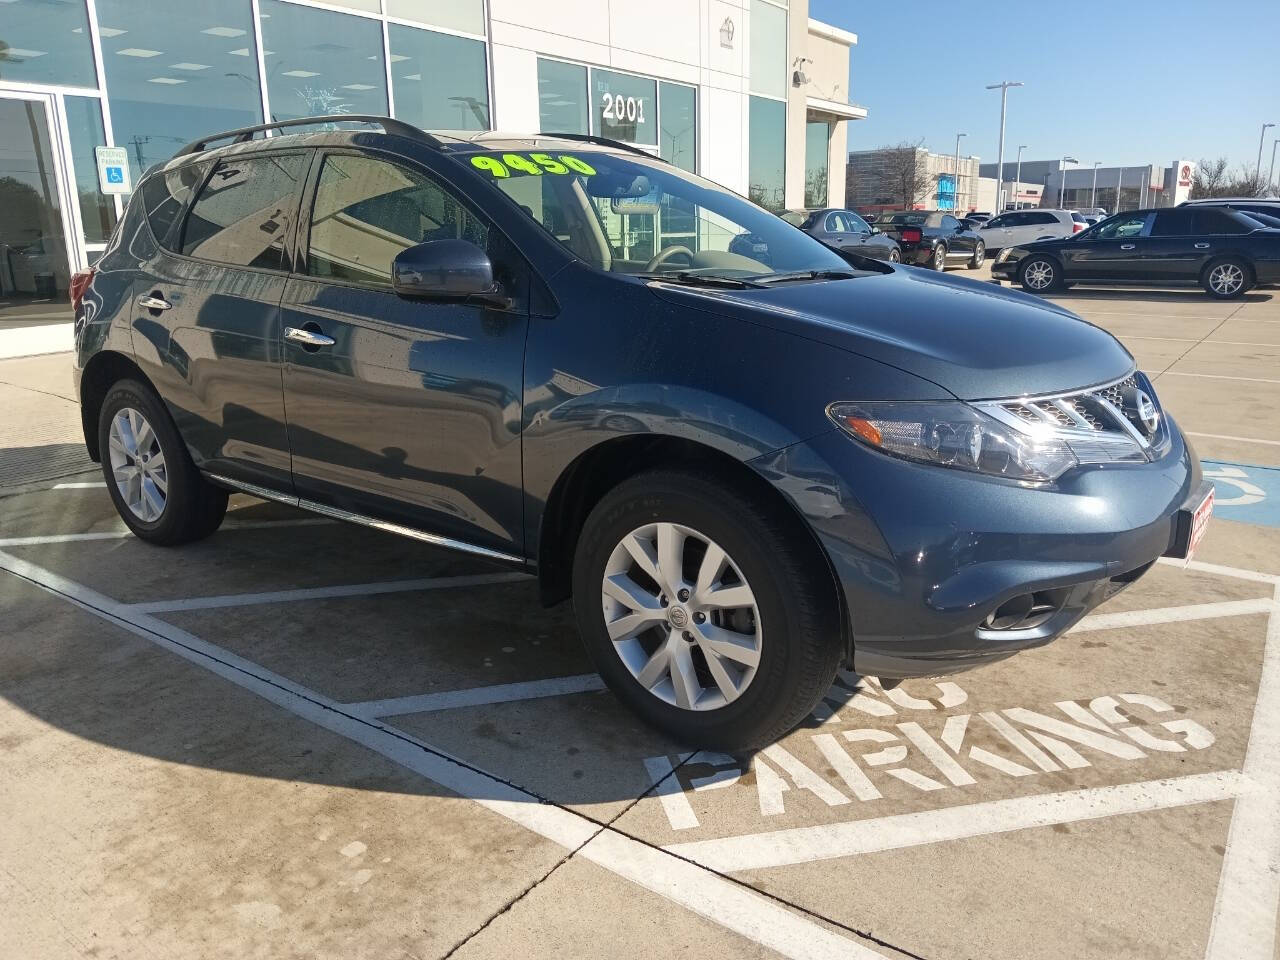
{"x": 125, "y": 532}
{"x": 1226, "y": 436}
{"x": 1218, "y": 376}
{"x": 85, "y": 485}
{"x": 324, "y": 593}
{"x": 1194, "y": 611}
{"x": 722, "y": 901}
{"x": 831, "y": 840}
{"x": 478, "y": 696}
{"x": 1238, "y": 573}
{"x": 1244, "y": 913}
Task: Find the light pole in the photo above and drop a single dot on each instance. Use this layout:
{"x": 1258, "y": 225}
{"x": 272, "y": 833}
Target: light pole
{"x": 955, "y": 187}
{"x": 1003, "y": 87}
{"x": 1093, "y": 196}
{"x": 1262, "y": 136}
{"x": 1062, "y": 184}
{"x": 1271, "y": 174}
{"x": 1017, "y": 178}
{"x": 1119, "y": 187}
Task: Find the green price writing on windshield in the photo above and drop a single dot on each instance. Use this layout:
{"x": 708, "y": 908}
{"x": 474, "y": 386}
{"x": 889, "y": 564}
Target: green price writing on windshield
{"x": 534, "y": 164}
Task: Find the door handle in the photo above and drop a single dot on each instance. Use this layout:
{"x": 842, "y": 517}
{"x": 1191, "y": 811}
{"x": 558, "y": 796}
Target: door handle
{"x": 1126, "y": 246}
{"x": 1202, "y": 246}
{"x": 153, "y": 303}
{"x": 308, "y": 338}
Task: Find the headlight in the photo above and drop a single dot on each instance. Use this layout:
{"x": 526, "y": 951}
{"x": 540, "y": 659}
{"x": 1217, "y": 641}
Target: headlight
{"x": 1004, "y": 254}
{"x": 954, "y": 434}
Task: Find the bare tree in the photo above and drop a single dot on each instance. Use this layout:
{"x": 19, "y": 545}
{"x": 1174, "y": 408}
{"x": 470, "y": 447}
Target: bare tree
{"x": 1210, "y": 178}
{"x": 905, "y": 178}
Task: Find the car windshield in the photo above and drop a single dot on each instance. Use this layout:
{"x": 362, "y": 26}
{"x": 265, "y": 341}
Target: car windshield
{"x": 630, "y": 214}
{"x": 1263, "y": 219}
{"x": 907, "y": 219}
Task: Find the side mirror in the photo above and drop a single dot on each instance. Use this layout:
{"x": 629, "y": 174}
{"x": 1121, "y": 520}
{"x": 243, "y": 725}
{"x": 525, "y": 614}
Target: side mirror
{"x": 447, "y": 270}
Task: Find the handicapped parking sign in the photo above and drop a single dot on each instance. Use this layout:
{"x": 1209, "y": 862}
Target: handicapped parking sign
{"x": 113, "y": 169}
{"x": 1245, "y": 493}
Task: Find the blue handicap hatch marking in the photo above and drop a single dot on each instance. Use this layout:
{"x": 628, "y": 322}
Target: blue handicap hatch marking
{"x": 1245, "y": 493}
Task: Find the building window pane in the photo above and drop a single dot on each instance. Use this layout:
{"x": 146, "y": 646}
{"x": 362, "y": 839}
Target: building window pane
{"x": 368, "y": 6}
{"x": 766, "y": 152}
{"x": 678, "y": 113}
{"x": 768, "y": 49}
{"x": 816, "y": 139}
{"x": 177, "y": 72}
{"x": 562, "y": 97}
{"x": 321, "y": 62}
{"x": 42, "y": 42}
{"x": 84, "y": 124}
{"x": 623, "y": 107}
{"x": 465, "y": 16}
{"x": 438, "y": 80}
{"x": 243, "y": 213}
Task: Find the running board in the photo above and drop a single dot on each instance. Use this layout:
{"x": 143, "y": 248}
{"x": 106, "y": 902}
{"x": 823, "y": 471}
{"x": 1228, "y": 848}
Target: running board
{"x": 373, "y": 522}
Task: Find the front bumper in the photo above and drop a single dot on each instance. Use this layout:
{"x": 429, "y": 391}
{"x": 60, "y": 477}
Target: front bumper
{"x": 1005, "y": 270}
{"x": 925, "y": 555}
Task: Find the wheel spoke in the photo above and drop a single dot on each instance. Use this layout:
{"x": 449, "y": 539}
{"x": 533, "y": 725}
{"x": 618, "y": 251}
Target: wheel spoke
{"x": 655, "y": 668}
{"x": 161, "y": 479}
{"x": 670, "y": 556}
{"x": 728, "y": 686}
{"x": 709, "y": 570}
{"x": 729, "y": 597}
{"x": 737, "y": 647}
{"x": 144, "y": 437}
{"x": 629, "y": 593}
{"x": 627, "y": 626}
{"x": 124, "y": 473}
{"x": 684, "y": 678}
{"x": 646, "y": 558}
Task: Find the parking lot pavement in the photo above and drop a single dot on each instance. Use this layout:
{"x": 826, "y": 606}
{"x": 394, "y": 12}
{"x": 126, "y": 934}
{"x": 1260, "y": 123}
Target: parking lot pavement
{"x": 299, "y": 738}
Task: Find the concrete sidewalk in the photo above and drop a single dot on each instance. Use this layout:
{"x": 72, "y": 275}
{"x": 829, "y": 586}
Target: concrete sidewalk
{"x": 40, "y": 434}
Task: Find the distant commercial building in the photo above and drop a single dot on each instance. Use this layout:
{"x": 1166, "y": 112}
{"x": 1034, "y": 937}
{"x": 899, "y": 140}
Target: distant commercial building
{"x": 910, "y": 178}
{"x": 1017, "y": 195}
{"x": 1117, "y": 188}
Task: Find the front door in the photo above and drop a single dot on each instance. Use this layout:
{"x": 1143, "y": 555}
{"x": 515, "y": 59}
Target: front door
{"x": 37, "y": 247}
{"x": 1111, "y": 252}
{"x": 403, "y": 410}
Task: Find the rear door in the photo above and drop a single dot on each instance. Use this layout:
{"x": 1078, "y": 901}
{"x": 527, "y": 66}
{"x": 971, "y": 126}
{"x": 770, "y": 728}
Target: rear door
{"x": 1215, "y": 233}
{"x": 209, "y": 313}
{"x": 1170, "y": 253}
{"x": 410, "y": 413}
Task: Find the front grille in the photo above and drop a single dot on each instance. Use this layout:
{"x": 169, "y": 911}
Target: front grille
{"x": 1078, "y": 411}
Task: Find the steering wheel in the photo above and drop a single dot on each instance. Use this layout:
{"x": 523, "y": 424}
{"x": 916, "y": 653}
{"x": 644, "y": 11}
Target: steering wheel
{"x": 665, "y": 254}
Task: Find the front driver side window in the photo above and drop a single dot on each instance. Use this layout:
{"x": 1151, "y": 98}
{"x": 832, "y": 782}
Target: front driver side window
{"x": 1120, "y": 227}
{"x": 367, "y": 210}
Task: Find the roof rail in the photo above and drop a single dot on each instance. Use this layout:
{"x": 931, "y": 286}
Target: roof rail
{"x": 245, "y": 134}
{"x": 604, "y": 142}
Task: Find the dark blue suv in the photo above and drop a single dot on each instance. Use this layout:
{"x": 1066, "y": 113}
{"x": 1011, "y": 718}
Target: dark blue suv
{"x": 748, "y": 458}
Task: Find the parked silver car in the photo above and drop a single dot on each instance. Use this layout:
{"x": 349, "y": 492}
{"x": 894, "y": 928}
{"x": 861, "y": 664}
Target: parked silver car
{"x": 1025, "y": 226}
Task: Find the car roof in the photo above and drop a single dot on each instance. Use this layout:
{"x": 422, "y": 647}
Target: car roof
{"x": 1212, "y": 201}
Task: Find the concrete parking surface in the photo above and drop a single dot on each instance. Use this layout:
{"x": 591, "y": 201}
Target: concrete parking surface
{"x": 305, "y": 739}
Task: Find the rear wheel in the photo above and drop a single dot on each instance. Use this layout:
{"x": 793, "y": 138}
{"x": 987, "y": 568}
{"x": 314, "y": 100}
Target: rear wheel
{"x": 940, "y": 257}
{"x": 1227, "y": 278}
{"x": 157, "y": 490}
{"x": 894, "y": 255}
{"x": 979, "y": 256}
{"x": 1040, "y": 275}
{"x": 705, "y": 611}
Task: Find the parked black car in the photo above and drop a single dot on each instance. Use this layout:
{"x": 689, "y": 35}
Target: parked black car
{"x": 745, "y": 470}
{"x": 1225, "y": 251}
{"x": 845, "y": 230}
{"x": 931, "y": 238}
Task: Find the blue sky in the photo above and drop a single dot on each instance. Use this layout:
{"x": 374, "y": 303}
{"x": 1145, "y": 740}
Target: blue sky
{"x": 1137, "y": 82}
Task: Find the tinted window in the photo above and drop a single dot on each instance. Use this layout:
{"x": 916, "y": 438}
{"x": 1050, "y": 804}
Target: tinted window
{"x": 438, "y": 81}
{"x": 47, "y": 43}
{"x": 997, "y": 222}
{"x": 1124, "y": 225}
{"x": 908, "y": 219}
{"x": 856, "y": 223}
{"x": 1041, "y": 218}
{"x": 1218, "y": 222}
{"x": 562, "y": 97}
{"x": 1263, "y": 219}
{"x": 243, "y": 213}
{"x": 1078, "y": 217}
{"x": 366, "y": 211}
{"x": 766, "y": 151}
{"x": 1172, "y": 223}
{"x": 836, "y": 223}
{"x": 949, "y": 222}
{"x": 678, "y": 111}
{"x": 624, "y": 106}
{"x": 166, "y": 193}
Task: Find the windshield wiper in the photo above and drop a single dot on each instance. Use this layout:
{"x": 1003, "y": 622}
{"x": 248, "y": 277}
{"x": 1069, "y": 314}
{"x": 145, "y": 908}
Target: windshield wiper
{"x": 767, "y": 278}
{"x": 702, "y": 279}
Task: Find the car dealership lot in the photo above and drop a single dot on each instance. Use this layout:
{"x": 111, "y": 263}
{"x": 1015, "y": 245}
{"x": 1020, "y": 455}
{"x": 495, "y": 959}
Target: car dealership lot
{"x": 304, "y": 738}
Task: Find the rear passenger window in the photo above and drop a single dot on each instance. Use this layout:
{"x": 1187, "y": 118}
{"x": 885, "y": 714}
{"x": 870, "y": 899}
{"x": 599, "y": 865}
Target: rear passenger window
{"x": 1172, "y": 223}
{"x": 1042, "y": 218}
{"x": 243, "y": 213}
{"x": 1217, "y": 222}
{"x": 165, "y": 194}
{"x": 367, "y": 210}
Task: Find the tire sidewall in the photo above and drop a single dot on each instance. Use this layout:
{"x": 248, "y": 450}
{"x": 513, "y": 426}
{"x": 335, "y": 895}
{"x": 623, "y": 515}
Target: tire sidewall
{"x": 626, "y": 510}
{"x": 129, "y": 393}
{"x": 1054, "y": 280}
{"x": 1245, "y": 284}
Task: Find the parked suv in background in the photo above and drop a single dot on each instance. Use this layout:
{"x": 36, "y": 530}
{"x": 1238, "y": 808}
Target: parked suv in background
{"x": 746, "y": 470}
{"x": 1024, "y": 226}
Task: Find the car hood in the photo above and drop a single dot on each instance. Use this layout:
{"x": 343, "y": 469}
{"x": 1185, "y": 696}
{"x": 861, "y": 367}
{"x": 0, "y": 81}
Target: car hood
{"x": 976, "y": 340}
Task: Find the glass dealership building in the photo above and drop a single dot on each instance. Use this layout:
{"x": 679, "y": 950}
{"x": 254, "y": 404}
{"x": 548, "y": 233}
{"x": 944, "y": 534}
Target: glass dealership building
{"x": 750, "y": 93}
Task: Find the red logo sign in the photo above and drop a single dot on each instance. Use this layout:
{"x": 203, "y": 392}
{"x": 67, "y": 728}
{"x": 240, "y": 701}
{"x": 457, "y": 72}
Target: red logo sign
{"x": 1184, "y": 175}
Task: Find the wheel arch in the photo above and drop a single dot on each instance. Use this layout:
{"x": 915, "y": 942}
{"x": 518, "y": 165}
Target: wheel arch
{"x": 594, "y": 472}
{"x": 1251, "y": 269}
{"x": 101, "y": 371}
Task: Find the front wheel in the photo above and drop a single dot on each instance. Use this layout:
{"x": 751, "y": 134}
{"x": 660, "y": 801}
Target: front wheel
{"x": 979, "y": 256}
{"x": 707, "y": 611}
{"x": 1226, "y": 279}
{"x": 895, "y": 256}
{"x": 1040, "y": 275}
{"x": 940, "y": 257}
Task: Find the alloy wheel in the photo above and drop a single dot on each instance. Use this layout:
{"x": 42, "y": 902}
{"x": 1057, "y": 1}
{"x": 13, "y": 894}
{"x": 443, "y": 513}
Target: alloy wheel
{"x": 137, "y": 464}
{"x": 1038, "y": 275}
{"x": 939, "y": 258}
{"x": 979, "y": 254}
{"x": 1226, "y": 279}
{"x": 682, "y": 618}
{"x": 894, "y": 256}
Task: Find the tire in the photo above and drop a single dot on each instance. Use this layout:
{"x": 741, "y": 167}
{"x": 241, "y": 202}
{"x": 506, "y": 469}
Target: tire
{"x": 167, "y": 504}
{"x": 1227, "y": 278}
{"x": 791, "y": 623}
{"x": 979, "y": 256}
{"x": 1040, "y": 274}
{"x": 894, "y": 255}
{"x": 939, "y": 261}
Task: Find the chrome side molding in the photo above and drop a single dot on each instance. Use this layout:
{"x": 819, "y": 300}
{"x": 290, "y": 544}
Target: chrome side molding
{"x": 347, "y": 516}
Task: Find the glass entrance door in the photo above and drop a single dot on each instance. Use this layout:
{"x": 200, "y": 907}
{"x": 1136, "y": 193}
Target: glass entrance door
{"x": 38, "y": 250}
